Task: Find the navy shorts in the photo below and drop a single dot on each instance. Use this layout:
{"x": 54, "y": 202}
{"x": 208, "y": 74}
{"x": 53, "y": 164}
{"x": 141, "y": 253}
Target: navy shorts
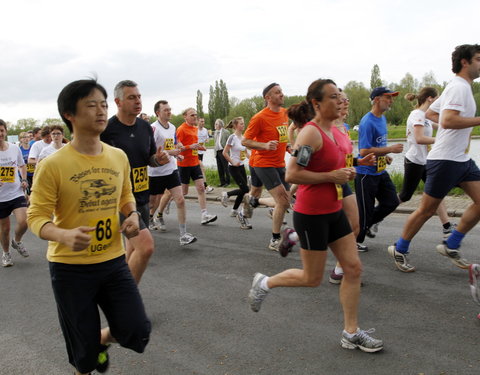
{"x": 6, "y": 208}
{"x": 79, "y": 290}
{"x": 158, "y": 184}
{"x": 444, "y": 175}
{"x": 347, "y": 190}
{"x": 195, "y": 173}
{"x": 317, "y": 231}
{"x": 271, "y": 177}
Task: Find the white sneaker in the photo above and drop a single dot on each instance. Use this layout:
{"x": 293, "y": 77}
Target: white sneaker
{"x": 224, "y": 199}
{"x": 274, "y": 244}
{"x": 233, "y": 213}
{"x": 187, "y": 238}
{"x": 208, "y": 189}
{"x": 7, "y": 260}
{"x": 160, "y": 224}
{"x": 20, "y": 248}
{"x": 207, "y": 218}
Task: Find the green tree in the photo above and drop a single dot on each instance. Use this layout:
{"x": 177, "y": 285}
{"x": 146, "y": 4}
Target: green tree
{"x": 401, "y": 107}
{"x": 375, "y": 79}
{"x": 200, "y": 104}
{"x": 359, "y": 101}
{"x": 218, "y": 103}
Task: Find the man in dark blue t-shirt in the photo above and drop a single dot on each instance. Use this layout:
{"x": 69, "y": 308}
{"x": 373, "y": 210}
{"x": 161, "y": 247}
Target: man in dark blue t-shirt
{"x": 373, "y": 182}
{"x": 135, "y": 137}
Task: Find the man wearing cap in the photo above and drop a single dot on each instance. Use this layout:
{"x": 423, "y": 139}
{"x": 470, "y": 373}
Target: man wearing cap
{"x": 267, "y": 135}
{"x": 373, "y": 182}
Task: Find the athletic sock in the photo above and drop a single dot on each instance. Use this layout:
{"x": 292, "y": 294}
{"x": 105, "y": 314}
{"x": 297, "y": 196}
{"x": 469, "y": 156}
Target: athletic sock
{"x": 183, "y": 229}
{"x": 453, "y": 241}
{"x": 447, "y": 225}
{"x": 338, "y": 270}
{"x": 276, "y": 236}
{"x": 263, "y": 284}
{"x": 204, "y": 211}
{"x": 402, "y": 245}
{"x": 160, "y": 214}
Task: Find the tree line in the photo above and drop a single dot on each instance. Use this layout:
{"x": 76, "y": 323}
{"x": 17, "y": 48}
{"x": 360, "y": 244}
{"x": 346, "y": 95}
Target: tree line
{"x": 222, "y": 106}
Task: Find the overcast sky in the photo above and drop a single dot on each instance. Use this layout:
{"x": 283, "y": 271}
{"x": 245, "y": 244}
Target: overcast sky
{"x": 174, "y": 48}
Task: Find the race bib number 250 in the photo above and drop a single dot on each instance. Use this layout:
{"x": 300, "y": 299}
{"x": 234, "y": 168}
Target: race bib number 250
{"x": 140, "y": 179}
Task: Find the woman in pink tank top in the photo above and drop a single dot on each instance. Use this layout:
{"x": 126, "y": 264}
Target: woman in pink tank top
{"x": 318, "y": 218}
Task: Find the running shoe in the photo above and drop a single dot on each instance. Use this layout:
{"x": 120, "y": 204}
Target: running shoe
{"x": 167, "y": 207}
{"x": 209, "y": 189}
{"x": 374, "y": 228}
{"x": 257, "y": 294}
{"x": 160, "y": 223}
{"x": 253, "y": 202}
{"x": 369, "y": 233}
{"x": 187, "y": 239}
{"x": 224, "y": 199}
{"x": 234, "y": 213}
{"x": 244, "y": 224}
{"x": 453, "y": 255}
{"x": 207, "y": 218}
{"x": 361, "y": 340}
{"x": 7, "y": 259}
{"x": 474, "y": 274}
{"x": 247, "y": 208}
{"x": 335, "y": 278}
{"x": 401, "y": 260}
{"x": 274, "y": 244}
{"x": 286, "y": 244}
{"x": 362, "y": 248}
{"x": 152, "y": 225}
{"x": 270, "y": 215}
{"x": 448, "y": 231}
{"x": 103, "y": 360}
{"x": 19, "y": 246}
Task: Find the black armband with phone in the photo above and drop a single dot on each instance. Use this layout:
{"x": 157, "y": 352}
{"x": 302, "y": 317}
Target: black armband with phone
{"x": 303, "y": 155}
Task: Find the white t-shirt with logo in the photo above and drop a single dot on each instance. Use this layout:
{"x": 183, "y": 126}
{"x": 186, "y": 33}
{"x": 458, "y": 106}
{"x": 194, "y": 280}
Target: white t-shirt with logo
{"x": 453, "y": 144}
{"x": 238, "y": 152}
{"x": 10, "y": 160}
{"x": 49, "y": 150}
{"x": 165, "y": 138}
{"x": 202, "y": 138}
{"x": 417, "y": 153}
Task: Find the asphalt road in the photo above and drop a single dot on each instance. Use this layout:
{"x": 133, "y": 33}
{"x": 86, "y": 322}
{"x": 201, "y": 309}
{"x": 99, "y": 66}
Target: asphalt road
{"x": 202, "y": 324}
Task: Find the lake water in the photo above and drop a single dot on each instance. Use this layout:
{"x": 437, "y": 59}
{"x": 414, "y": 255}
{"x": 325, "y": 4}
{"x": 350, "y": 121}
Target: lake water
{"x": 396, "y": 166}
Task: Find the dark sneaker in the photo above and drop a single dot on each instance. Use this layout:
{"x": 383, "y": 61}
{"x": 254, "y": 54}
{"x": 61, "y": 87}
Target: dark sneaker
{"x": 362, "y": 248}
{"x": 103, "y": 359}
{"x": 257, "y": 294}
{"x": 285, "y": 243}
{"x": 369, "y": 233}
{"x": 401, "y": 260}
{"x": 335, "y": 278}
{"x": 362, "y": 340}
{"x": 453, "y": 255}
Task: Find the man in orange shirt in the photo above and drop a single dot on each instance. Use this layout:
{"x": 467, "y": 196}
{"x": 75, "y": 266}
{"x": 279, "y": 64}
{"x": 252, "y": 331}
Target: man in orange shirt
{"x": 267, "y": 135}
{"x": 189, "y": 167}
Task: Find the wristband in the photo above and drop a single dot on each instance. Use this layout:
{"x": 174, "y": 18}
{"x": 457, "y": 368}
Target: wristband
{"x": 134, "y": 212}
{"x": 355, "y": 162}
{"x": 23, "y": 180}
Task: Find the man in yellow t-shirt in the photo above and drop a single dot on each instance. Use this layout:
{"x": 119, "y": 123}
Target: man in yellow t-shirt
{"x": 75, "y": 202}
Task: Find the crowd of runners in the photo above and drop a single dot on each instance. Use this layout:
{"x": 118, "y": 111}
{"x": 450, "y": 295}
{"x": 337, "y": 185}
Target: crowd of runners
{"x": 119, "y": 175}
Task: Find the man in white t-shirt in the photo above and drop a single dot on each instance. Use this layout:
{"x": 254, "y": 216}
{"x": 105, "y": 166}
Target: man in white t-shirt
{"x": 56, "y": 132}
{"x": 38, "y": 146}
{"x": 448, "y": 163}
{"x": 12, "y": 196}
{"x": 166, "y": 177}
{"x": 203, "y": 137}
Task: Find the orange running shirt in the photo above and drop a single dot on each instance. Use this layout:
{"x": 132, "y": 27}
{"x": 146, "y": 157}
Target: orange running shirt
{"x": 266, "y": 126}
{"x": 188, "y": 135}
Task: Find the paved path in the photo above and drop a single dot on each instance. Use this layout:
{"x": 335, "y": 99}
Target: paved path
{"x": 202, "y": 324}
